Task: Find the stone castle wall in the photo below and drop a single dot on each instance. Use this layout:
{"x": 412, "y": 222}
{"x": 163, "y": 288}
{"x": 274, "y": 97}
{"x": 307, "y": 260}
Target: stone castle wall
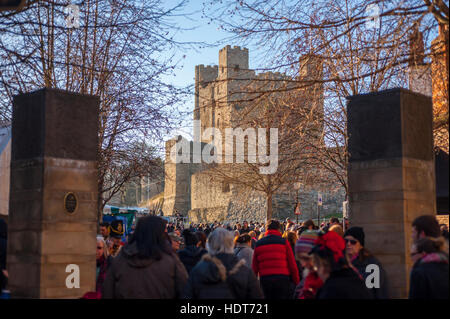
{"x": 252, "y": 207}
{"x": 219, "y": 103}
{"x": 177, "y": 188}
{"x": 207, "y": 192}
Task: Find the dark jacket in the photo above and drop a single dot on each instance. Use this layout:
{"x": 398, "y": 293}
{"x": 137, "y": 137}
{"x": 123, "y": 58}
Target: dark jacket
{"x": 222, "y": 276}
{"x": 133, "y": 277}
{"x": 344, "y": 284}
{"x": 190, "y": 256}
{"x": 254, "y": 240}
{"x": 361, "y": 264}
{"x": 429, "y": 277}
{"x": 244, "y": 230}
{"x": 273, "y": 256}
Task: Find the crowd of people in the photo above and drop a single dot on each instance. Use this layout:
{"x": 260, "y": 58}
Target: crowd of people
{"x": 276, "y": 260}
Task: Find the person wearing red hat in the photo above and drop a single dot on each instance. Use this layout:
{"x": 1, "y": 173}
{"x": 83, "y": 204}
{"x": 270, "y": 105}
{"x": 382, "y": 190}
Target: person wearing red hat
{"x": 341, "y": 281}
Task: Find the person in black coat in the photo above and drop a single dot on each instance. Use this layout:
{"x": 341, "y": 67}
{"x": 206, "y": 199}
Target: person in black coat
{"x": 360, "y": 258}
{"x": 430, "y": 273}
{"x": 220, "y": 274}
{"x": 341, "y": 281}
{"x": 193, "y": 252}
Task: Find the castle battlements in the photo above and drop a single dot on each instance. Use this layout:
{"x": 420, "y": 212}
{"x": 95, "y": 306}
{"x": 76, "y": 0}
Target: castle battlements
{"x": 205, "y": 74}
{"x": 232, "y": 60}
{"x": 235, "y": 48}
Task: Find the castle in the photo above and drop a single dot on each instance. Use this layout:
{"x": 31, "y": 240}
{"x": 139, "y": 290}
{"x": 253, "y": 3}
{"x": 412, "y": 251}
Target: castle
{"x": 191, "y": 191}
{"x": 221, "y": 95}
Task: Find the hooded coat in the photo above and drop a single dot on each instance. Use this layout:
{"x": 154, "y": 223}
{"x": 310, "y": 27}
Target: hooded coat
{"x": 222, "y": 276}
{"x": 429, "y": 277}
{"x": 132, "y": 277}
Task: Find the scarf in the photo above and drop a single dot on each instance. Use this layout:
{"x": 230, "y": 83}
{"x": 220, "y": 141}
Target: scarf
{"x": 434, "y": 258}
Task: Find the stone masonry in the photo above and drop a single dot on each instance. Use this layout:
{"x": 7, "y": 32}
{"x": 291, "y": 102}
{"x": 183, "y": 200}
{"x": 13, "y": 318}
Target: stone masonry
{"x": 391, "y": 175}
{"x": 190, "y": 189}
{"x": 54, "y": 152}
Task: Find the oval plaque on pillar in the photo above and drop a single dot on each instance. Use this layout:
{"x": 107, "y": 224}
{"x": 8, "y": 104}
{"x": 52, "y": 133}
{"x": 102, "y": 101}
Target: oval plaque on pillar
{"x": 70, "y": 203}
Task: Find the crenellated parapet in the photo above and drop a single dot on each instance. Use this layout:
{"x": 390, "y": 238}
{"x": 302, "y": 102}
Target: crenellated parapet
{"x": 232, "y": 61}
{"x": 205, "y": 74}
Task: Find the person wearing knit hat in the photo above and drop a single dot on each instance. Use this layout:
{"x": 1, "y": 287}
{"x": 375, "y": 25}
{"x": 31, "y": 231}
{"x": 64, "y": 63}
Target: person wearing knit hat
{"x": 305, "y": 242}
{"x": 357, "y": 233}
{"x": 340, "y": 280}
{"x": 310, "y": 283}
{"x": 360, "y": 258}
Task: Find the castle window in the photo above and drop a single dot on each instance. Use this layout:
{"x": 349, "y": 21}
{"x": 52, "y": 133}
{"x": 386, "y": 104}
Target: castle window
{"x": 236, "y": 67}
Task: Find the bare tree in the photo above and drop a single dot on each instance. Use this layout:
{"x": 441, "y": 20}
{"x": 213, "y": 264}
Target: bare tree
{"x": 364, "y": 46}
{"x": 289, "y": 119}
{"x": 119, "y": 52}
{"x": 127, "y": 166}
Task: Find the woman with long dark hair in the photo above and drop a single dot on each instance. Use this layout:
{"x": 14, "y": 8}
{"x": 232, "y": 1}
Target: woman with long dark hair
{"x": 360, "y": 258}
{"x": 146, "y": 267}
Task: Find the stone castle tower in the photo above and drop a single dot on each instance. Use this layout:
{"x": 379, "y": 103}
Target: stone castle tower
{"x": 419, "y": 71}
{"x": 431, "y": 79}
{"x": 221, "y": 92}
{"x": 216, "y": 87}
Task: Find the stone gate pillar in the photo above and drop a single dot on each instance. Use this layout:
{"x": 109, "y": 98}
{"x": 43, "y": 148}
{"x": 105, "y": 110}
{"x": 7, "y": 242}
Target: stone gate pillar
{"x": 391, "y": 175}
{"x": 53, "y": 195}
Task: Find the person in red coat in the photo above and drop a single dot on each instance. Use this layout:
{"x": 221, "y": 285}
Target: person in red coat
{"x": 274, "y": 262}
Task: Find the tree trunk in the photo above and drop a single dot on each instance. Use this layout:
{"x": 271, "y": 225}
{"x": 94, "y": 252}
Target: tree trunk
{"x": 269, "y": 207}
